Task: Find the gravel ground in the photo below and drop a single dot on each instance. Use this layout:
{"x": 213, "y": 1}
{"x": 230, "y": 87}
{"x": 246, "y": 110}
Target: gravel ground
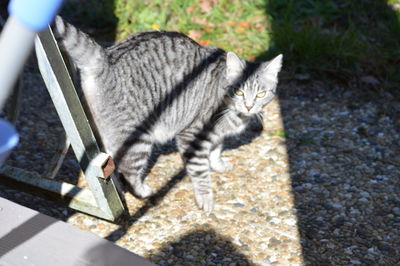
{"x": 318, "y": 185}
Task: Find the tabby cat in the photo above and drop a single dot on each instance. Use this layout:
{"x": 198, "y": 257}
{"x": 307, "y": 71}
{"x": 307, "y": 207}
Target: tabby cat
{"x": 159, "y": 85}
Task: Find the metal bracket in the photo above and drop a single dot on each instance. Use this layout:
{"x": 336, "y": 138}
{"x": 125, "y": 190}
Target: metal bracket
{"x": 101, "y": 166}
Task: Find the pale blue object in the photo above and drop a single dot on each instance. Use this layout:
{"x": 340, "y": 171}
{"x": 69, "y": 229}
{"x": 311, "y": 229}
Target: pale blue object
{"x": 16, "y": 40}
{"x": 8, "y": 140}
{"x": 35, "y": 14}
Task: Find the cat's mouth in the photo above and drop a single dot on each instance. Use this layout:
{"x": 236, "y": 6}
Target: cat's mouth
{"x": 246, "y": 115}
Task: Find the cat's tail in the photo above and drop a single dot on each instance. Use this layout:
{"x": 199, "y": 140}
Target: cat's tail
{"x": 85, "y": 52}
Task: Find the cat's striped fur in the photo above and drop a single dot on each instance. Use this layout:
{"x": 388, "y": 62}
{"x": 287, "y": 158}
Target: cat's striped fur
{"x": 159, "y": 85}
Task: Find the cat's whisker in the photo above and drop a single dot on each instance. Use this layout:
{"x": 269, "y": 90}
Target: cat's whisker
{"x": 260, "y": 119}
{"x": 221, "y": 116}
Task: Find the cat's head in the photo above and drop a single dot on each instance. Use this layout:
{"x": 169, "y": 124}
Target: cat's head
{"x": 252, "y": 85}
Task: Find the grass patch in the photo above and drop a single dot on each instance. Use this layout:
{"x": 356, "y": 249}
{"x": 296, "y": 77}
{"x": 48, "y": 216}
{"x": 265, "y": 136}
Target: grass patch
{"x": 344, "y": 40}
{"x": 338, "y": 40}
{"x": 234, "y": 25}
{"x": 278, "y": 133}
{"x": 334, "y": 39}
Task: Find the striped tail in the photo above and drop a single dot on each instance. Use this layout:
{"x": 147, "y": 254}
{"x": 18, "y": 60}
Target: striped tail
{"x": 86, "y": 53}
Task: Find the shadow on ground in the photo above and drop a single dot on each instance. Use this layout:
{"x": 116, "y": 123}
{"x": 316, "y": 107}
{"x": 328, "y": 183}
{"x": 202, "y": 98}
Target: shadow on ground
{"x": 343, "y": 144}
{"x": 200, "y": 247}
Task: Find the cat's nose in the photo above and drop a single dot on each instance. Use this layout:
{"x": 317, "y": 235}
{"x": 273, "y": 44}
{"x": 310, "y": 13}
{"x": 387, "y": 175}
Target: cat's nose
{"x": 249, "y": 107}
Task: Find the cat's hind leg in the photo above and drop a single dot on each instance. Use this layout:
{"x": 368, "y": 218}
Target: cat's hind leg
{"x": 133, "y": 165}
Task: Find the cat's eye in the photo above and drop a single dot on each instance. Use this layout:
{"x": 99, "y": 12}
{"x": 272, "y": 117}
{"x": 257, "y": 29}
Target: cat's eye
{"x": 239, "y": 92}
{"x": 261, "y": 94}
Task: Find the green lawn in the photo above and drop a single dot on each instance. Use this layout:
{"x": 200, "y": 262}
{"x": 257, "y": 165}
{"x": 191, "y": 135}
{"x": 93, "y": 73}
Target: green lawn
{"x": 332, "y": 39}
{"x": 345, "y": 40}
{"x": 230, "y": 24}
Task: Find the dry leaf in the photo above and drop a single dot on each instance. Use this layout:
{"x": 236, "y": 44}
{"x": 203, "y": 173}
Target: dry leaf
{"x": 260, "y": 26}
{"x": 200, "y": 20}
{"x": 208, "y": 29}
{"x": 258, "y": 19}
{"x": 239, "y": 29}
{"x": 206, "y": 5}
{"x": 190, "y": 8}
{"x": 203, "y": 22}
{"x": 194, "y": 34}
{"x": 204, "y": 42}
{"x": 244, "y": 24}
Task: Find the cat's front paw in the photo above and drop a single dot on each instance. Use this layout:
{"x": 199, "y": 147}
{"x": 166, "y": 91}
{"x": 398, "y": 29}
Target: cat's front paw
{"x": 143, "y": 191}
{"x": 223, "y": 165}
{"x": 205, "y": 201}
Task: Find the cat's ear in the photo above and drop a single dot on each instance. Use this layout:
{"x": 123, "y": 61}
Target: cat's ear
{"x": 234, "y": 66}
{"x": 272, "y": 68}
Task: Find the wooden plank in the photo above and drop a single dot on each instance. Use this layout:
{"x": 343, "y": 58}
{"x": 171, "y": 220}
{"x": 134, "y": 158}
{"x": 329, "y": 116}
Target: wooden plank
{"x": 30, "y": 238}
{"x": 76, "y": 125}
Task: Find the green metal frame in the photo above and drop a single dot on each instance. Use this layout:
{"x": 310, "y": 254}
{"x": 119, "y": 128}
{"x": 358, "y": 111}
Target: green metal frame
{"x": 102, "y": 198}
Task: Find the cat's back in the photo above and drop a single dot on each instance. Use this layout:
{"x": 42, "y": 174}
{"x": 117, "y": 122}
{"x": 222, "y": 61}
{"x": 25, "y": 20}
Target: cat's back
{"x": 163, "y": 77}
{"x": 161, "y": 67}
{"x": 149, "y": 44}
{"x": 161, "y": 61}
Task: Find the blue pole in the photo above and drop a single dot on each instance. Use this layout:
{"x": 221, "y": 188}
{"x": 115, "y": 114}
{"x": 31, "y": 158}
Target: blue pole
{"x": 8, "y": 139}
{"x": 27, "y": 17}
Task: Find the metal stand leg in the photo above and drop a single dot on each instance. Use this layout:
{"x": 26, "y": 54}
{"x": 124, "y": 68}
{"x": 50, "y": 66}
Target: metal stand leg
{"x": 58, "y": 158}
{"x": 104, "y": 200}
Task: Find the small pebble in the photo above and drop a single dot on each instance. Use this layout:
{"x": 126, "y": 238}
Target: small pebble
{"x": 396, "y": 210}
{"x": 337, "y": 205}
{"x": 238, "y": 205}
{"x": 363, "y": 200}
{"x": 266, "y": 262}
{"x": 355, "y": 262}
